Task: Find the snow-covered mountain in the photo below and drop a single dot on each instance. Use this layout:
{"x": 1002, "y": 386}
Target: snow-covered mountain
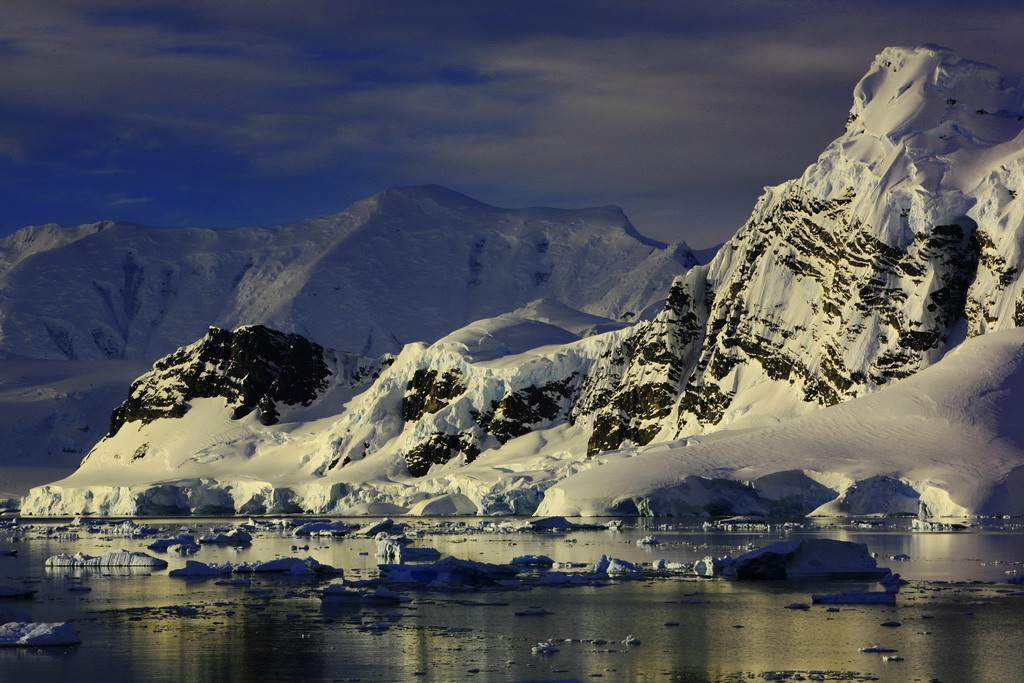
{"x": 812, "y": 325}
{"x": 408, "y": 264}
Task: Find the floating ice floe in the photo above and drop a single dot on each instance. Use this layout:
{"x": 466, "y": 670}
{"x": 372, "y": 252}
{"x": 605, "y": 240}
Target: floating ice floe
{"x": 338, "y": 593}
{"x": 450, "y": 570}
{"x": 400, "y": 548}
{"x": 14, "y": 592}
{"x": 613, "y": 566}
{"x": 648, "y": 540}
{"x": 545, "y": 648}
{"x": 892, "y": 583}
{"x": 385, "y": 524}
{"x": 808, "y": 558}
{"x": 711, "y": 566}
{"x": 286, "y": 566}
{"x": 196, "y": 568}
{"x": 532, "y": 561}
{"x": 10, "y": 553}
{"x": 558, "y": 523}
{"x": 919, "y": 524}
{"x": 533, "y": 612}
{"x": 665, "y": 565}
{"x": 855, "y": 598}
{"x": 131, "y": 529}
{"x": 290, "y": 565}
{"x": 233, "y": 537}
{"x": 877, "y": 648}
{"x": 183, "y": 543}
{"x": 38, "y": 634}
{"x": 337, "y": 528}
{"x": 120, "y": 558}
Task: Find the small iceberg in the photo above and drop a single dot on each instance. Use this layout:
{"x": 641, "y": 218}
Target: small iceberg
{"x": 532, "y": 561}
{"x": 561, "y": 524}
{"x": 13, "y": 592}
{"x": 533, "y": 612}
{"x": 338, "y": 594}
{"x": 233, "y": 537}
{"x": 447, "y": 571}
{"x": 399, "y": 549}
{"x": 711, "y": 566}
{"x": 119, "y": 558}
{"x": 338, "y": 528}
{"x": 195, "y": 568}
{"x": 183, "y": 543}
{"x": 38, "y": 634}
{"x": 291, "y": 566}
{"x": 808, "y": 558}
{"x": 613, "y": 566}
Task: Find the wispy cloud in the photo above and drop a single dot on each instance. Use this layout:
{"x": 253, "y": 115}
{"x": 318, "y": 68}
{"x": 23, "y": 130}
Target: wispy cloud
{"x": 128, "y": 201}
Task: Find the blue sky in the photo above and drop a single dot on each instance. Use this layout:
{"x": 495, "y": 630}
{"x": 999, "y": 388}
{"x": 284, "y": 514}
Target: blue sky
{"x": 227, "y": 113}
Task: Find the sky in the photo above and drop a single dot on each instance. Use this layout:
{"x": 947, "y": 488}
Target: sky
{"x": 224, "y": 113}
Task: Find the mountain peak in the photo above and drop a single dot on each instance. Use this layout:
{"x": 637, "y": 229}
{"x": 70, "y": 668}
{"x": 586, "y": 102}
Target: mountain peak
{"x": 930, "y": 89}
{"x": 423, "y": 196}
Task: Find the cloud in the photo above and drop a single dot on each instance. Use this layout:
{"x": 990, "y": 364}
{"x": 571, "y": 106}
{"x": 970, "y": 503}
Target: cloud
{"x": 678, "y": 111}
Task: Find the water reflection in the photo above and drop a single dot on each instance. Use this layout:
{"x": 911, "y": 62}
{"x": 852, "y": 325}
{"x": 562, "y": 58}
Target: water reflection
{"x": 131, "y": 629}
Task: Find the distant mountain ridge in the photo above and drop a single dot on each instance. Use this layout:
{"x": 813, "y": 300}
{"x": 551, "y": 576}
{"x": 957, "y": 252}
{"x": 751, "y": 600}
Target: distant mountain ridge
{"x": 408, "y": 264}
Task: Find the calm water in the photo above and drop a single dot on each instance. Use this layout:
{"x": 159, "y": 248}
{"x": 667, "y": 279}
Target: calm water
{"x": 726, "y": 631}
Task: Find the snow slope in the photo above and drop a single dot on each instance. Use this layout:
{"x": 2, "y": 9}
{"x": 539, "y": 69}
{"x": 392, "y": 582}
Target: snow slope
{"x": 950, "y": 436}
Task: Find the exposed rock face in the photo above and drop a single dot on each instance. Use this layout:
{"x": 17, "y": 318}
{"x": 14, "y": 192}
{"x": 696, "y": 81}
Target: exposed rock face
{"x": 890, "y": 249}
{"x": 253, "y": 368}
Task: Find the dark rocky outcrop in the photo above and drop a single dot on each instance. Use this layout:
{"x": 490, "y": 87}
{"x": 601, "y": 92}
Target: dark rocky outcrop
{"x": 253, "y": 368}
